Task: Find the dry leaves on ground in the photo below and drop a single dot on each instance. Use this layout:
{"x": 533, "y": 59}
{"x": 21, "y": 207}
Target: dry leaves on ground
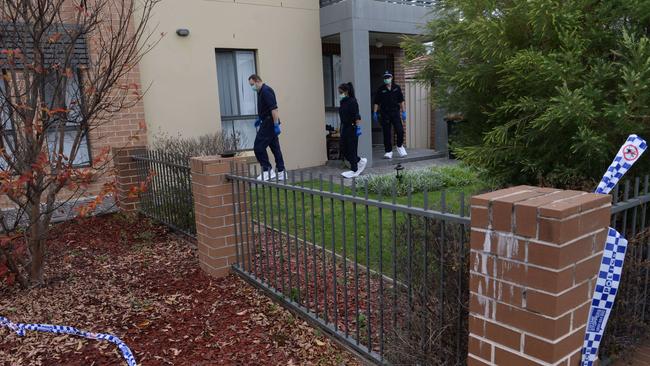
{"x": 123, "y": 275}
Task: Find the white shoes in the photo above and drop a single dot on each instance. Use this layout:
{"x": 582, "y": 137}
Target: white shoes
{"x": 349, "y": 174}
{"x": 282, "y": 175}
{"x": 267, "y": 175}
{"x": 401, "y": 151}
{"x": 360, "y": 167}
{"x": 388, "y": 155}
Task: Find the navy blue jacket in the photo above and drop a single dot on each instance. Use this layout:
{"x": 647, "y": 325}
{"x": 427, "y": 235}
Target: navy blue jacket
{"x": 349, "y": 111}
{"x": 266, "y": 102}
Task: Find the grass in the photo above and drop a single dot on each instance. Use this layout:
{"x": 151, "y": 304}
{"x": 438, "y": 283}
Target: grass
{"x": 367, "y": 232}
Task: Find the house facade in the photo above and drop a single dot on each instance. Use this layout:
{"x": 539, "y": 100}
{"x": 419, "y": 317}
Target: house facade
{"x": 361, "y": 39}
{"x": 197, "y": 84}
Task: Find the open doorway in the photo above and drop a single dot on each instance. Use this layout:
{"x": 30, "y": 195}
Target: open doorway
{"x": 378, "y": 65}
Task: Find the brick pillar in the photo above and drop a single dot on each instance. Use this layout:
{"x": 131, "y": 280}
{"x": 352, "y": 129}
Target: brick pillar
{"x": 534, "y": 258}
{"x": 213, "y": 208}
{"x": 127, "y": 175}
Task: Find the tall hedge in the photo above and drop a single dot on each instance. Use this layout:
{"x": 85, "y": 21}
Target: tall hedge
{"x": 548, "y": 89}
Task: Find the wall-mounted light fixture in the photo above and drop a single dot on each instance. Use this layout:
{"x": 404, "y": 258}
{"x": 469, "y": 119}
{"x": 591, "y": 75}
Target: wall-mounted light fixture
{"x": 183, "y": 32}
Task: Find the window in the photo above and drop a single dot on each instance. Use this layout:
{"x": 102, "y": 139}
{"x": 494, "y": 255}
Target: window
{"x": 71, "y": 124}
{"x": 238, "y": 103}
{"x": 331, "y": 79}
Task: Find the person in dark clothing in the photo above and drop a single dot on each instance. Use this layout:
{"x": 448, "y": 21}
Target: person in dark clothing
{"x": 268, "y": 124}
{"x": 350, "y": 130}
{"x": 389, "y": 100}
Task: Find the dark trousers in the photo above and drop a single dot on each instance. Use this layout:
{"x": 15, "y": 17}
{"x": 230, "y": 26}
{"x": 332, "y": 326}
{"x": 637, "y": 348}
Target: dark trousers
{"x": 350, "y": 142}
{"x": 388, "y": 122}
{"x": 266, "y": 137}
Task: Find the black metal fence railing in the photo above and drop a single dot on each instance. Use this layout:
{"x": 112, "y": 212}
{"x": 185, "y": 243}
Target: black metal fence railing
{"x": 630, "y": 319}
{"x": 385, "y": 274}
{"x": 424, "y": 3}
{"x": 168, "y": 196}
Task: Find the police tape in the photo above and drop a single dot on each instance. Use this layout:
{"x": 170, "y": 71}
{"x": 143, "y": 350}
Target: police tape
{"x": 20, "y": 329}
{"x": 611, "y": 266}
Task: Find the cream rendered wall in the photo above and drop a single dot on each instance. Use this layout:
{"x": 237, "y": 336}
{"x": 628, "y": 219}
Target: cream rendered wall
{"x": 181, "y": 77}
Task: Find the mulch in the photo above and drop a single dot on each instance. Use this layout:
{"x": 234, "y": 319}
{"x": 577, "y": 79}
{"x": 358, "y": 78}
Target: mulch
{"x": 123, "y": 275}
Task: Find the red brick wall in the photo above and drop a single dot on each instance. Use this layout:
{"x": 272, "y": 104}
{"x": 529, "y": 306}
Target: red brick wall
{"x": 534, "y": 258}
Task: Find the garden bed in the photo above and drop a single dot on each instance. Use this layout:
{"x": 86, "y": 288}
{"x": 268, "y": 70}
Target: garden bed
{"x": 123, "y": 275}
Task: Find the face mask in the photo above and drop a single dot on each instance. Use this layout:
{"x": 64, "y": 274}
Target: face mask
{"x": 254, "y": 87}
{"x": 342, "y": 96}
{"x": 388, "y": 81}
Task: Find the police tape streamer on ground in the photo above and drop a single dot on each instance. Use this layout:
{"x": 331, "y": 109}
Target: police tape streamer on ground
{"x": 20, "y": 329}
{"x": 611, "y": 265}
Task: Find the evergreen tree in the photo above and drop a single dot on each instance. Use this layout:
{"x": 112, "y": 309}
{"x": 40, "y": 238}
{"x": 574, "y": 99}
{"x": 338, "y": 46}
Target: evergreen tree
{"x": 548, "y": 89}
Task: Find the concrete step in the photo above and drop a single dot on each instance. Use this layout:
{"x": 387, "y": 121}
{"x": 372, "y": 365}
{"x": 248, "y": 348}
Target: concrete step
{"x": 413, "y": 155}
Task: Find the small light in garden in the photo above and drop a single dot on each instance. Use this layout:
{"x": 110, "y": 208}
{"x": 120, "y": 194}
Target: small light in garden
{"x": 183, "y": 32}
{"x": 398, "y": 172}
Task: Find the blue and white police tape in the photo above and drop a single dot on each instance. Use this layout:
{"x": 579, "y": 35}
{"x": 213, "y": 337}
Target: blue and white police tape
{"x": 611, "y": 266}
{"x": 20, "y": 329}
{"x": 629, "y": 153}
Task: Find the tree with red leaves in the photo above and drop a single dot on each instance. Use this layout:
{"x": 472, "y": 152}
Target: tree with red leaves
{"x": 65, "y": 66}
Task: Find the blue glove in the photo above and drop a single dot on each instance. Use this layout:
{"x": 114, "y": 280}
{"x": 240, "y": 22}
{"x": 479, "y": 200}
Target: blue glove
{"x": 258, "y": 122}
{"x": 357, "y": 130}
{"x": 276, "y": 128}
{"x": 375, "y": 116}
{"x": 404, "y": 116}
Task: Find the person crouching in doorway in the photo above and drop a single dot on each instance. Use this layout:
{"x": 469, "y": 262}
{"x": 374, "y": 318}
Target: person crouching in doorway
{"x": 350, "y": 130}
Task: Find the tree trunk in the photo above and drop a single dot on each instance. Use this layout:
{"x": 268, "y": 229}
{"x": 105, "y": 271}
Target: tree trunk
{"x": 36, "y": 243}
{"x": 37, "y": 253}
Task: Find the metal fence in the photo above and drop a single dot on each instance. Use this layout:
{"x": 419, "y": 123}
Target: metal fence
{"x": 386, "y": 275}
{"x": 168, "y": 196}
{"x": 424, "y": 3}
{"x": 630, "y": 320}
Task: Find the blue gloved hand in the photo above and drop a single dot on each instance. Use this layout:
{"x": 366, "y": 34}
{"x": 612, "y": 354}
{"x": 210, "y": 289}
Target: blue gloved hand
{"x": 375, "y": 116}
{"x": 404, "y": 116}
{"x": 357, "y": 130}
{"x": 258, "y": 122}
{"x": 276, "y": 128}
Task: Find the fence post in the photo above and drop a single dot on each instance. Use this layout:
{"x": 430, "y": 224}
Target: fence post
{"x": 534, "y": 258}
{"x": 213, "y": 207}
{"x": 127, "y": 175}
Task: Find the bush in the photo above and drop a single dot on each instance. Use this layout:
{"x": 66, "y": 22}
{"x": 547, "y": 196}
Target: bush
{"x": 629, "y": 322}
{"x": 187, "y": 147}
{"x": 548, "y": 89}
{"x": 434, "y": 329}
{"x": 430, "y": 179}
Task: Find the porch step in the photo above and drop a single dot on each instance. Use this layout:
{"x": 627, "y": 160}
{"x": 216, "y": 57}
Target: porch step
{"x": 413, "y": 155}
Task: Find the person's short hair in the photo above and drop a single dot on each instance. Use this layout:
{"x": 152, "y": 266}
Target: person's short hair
{"x": 255, "y": 78}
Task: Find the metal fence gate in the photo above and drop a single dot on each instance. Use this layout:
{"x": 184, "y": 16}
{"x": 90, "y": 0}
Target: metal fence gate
{"x": 386, "y": 275}
{"x": 168, "y": 195}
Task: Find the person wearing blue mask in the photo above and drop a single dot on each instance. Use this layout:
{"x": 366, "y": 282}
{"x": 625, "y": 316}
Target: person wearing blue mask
{"x": 268, "y": 124}
{"x": 350, "y": 130}
{"x": 389, "y": 101}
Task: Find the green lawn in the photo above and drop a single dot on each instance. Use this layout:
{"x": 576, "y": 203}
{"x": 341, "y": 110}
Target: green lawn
{"x": 332, "y": 222}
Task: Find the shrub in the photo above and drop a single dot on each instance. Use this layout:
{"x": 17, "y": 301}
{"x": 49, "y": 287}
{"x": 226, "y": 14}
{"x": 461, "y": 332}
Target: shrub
{"x": 434, "y": 329}
{"x": 548, "y": 89}
{"x": 187, "y": 147}
{"x": 629, "y": 322}
{"x": 430, "y": 179}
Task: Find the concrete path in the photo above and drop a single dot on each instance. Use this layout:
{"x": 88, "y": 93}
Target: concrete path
{"x": 335, "y": 171}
